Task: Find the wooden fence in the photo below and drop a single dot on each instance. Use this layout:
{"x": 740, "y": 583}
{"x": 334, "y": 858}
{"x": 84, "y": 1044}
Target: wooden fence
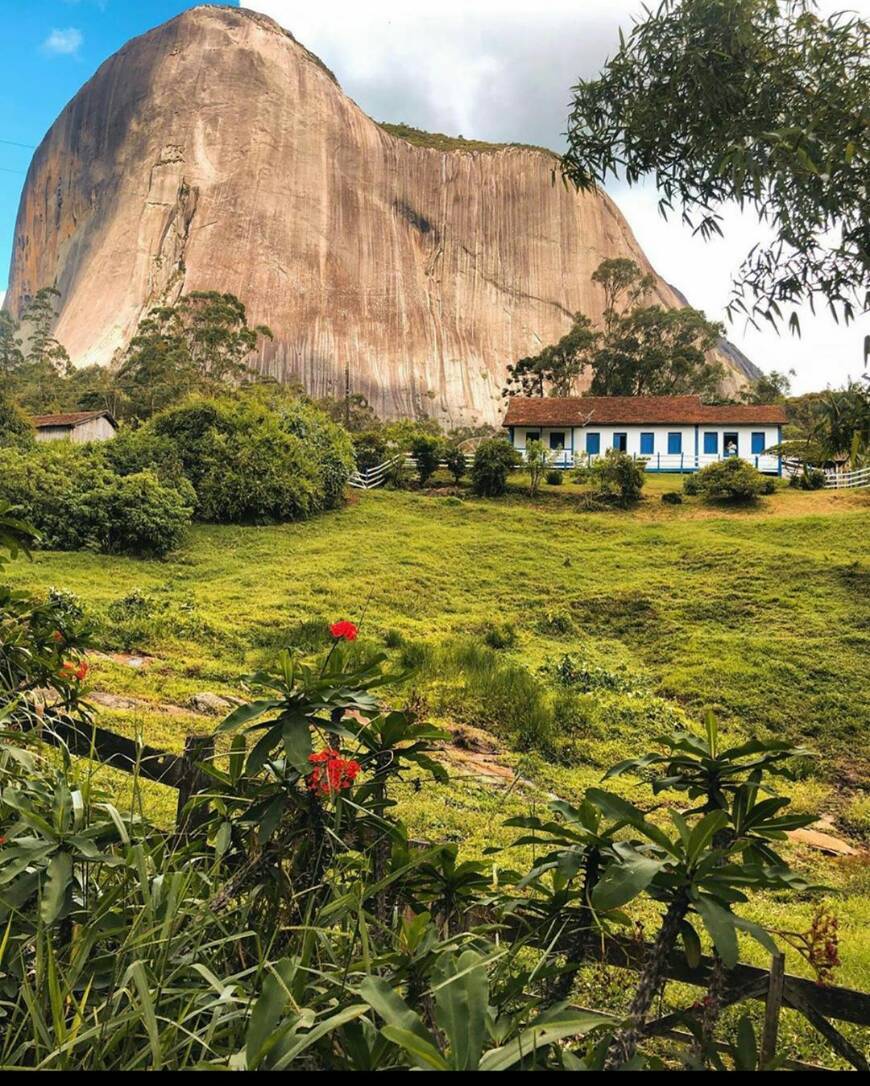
{"x": 838, "y": 480}
{"x": 819, "y": 1005}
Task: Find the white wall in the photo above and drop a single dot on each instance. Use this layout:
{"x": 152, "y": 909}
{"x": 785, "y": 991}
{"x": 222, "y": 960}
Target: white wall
{"x": 575, "y": 442}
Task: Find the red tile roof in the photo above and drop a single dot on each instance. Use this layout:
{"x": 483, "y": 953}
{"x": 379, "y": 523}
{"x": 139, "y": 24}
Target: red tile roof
{"x": 607, "y": 410}
{"x": 71, "y": 418}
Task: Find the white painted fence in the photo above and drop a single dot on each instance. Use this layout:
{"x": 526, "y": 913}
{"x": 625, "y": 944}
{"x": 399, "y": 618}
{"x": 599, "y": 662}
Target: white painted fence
{"x": 841, "y": 480}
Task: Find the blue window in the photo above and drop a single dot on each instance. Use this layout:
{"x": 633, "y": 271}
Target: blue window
{"x": 758, "y": 444}
{"x": 620, "y": 442}
{"x": 647, "y": 444}
{"x": 593, "y": 444}
{"x": 711, "y": 443}
{"x": 675, "y": 443}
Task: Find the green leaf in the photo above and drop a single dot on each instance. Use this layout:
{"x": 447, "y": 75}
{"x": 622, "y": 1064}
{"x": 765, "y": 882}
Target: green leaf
{"x": 746, "y": 1052}
{"x": 268, "y": 1011}
{"x": 568, "y": 1023}
{"x": 421, "y": 1051}
{"x": 288, "y": 1050}
{"x": 298, "y": 744}
{"x": 54, "y": 890}
{"x": 691, "y": 945}
{"x": 244, "y": 714}
{"x": 461, "y": 1005}
{"x": 391, "y": 1007}
{"x": 624, "y": 878}
{"x": 703, "y": 832}
{"x": 720, "y": 924}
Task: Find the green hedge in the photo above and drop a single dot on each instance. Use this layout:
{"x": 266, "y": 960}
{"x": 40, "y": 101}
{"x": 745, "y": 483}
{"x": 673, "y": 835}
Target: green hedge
{"x": 250, "y": 460}
{"x": 77, "y": 502}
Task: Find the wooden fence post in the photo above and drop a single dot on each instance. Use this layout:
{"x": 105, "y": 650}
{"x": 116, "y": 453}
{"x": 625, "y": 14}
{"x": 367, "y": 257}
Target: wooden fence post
{"x": 197, "y": 748}
{"x": 774, "y": 1006}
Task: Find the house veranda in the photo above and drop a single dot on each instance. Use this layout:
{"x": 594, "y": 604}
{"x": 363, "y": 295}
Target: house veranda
{"x": 672, "y": 433}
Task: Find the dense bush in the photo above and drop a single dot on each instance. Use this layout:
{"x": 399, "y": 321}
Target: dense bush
{"x": 454, "y": 458}
{"x": 555, "y": 477}
{"x": 370, "y": 449}
{"x": 426, "y": 450}
{"x": 672, "y": 497}
{"x": 16, "y": 429}
{"x": 493, "y": 462}
{"x": 617, "y": 477}
{"x": 77, "y": 502}
{"x": 731, "y": 479}
{"x": 249, "y": 460}
{"x": 809, "y": 479}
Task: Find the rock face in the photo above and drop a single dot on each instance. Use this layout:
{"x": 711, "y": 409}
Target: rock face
{"x": 215, "y": 152}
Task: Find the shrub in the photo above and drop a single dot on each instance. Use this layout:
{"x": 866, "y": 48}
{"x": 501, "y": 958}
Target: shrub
{"x": 538, "y": 460}
{"x": 500, "y": 635}
{"x": 617, "y": 477}
{"x": 370, "y": 450}
{"x": 731, "y": 479}
{"x": 77, "y": 502}
{"x": 493, "y": 462}
{"x": 456, "y": 462}
{"x": 251, "y": 460}
{"x": 690, "y": 486}
{"x": 144, "y": 517}
{"x": 672, "y": 497}
{"x": 426, "y": 450}
{"x": 809, "y": 479}
{"x": 556, "y": 620}
{"x": 16, "y": 429}
{"x": 555, "y": 477}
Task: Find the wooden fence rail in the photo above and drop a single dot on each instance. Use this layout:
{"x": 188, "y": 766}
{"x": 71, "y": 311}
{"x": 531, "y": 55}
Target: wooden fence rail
{"x": 818, "y": 1004}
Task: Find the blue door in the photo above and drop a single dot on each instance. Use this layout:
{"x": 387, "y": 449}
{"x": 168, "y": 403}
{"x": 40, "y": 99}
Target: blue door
{"x": 593, "y": 444}
{"x": 620, "y": 442}
{"x": 675, "y": 443}
{"x": 711, "y": 443}
{"x": 647, "y": 444}
{"x": 758, "y": 444}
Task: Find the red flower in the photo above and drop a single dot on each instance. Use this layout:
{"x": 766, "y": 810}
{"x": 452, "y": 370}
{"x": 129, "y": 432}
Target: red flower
{"x": 344, "y": 631}
{"x": 71, "y": 670}
{"x": 2, "y": 841}
{"x": 331, "y": 773}
{"x": 57, "y": 637}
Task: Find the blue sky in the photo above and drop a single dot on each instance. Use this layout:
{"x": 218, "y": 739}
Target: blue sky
{"x": 48, "y": 49}
{"x": 489, "y": 69}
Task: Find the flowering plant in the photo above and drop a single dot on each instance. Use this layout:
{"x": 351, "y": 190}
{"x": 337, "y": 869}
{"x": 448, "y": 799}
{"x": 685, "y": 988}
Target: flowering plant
{"x": 331, "y": 773}
{"x": 344, "y": 631}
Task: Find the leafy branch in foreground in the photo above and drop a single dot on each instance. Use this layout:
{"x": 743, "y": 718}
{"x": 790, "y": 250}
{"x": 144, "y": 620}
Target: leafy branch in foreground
{"x": 758, "y": 102}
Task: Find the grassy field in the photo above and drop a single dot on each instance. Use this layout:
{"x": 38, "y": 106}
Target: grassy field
{"x": 761, "y": 614}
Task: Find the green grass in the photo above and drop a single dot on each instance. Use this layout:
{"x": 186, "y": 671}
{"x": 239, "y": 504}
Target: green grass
{"x": 762, "y": 614}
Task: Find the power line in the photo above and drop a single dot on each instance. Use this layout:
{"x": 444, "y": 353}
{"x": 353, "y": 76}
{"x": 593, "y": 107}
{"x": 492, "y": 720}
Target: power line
{"x": 12, "y": 143}
{"x": 20, "y": 173}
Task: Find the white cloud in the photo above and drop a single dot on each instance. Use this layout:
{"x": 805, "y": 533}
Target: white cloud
{"x": 503, "y": 70}
{"x": 63, "y": 43}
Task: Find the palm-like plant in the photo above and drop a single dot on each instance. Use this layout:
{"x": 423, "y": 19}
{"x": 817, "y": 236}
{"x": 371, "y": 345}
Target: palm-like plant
{"x": 723, "y": 848}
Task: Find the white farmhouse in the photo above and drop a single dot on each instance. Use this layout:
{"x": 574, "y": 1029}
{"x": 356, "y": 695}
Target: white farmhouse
{"x": 672, "y": 433}
{"x": 78, "y": 427}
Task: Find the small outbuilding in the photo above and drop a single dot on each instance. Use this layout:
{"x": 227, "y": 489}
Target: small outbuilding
{"x": 671, "y": 433}
{"x": 78, "y": 427}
